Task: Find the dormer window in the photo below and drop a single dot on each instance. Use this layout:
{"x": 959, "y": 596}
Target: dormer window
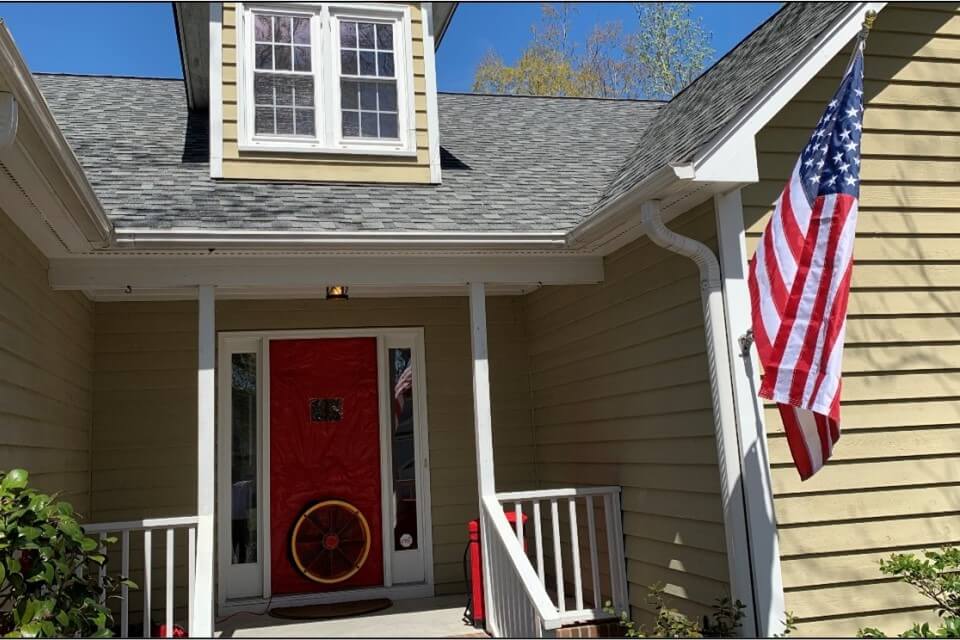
{"x": 325, "y": 78}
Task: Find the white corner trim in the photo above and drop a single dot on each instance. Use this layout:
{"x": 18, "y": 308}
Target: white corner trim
{"x": 216, "y": 89}
{"x": 722, "y": 158}
{"x": 757, "y": 484}
{"x": 430, "y": 69}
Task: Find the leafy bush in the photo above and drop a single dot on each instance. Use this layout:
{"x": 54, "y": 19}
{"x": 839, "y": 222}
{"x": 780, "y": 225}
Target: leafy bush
{"x": 935, "y": 576}
{"x": 671, "y": 623}
{"x": 48, "y": 567}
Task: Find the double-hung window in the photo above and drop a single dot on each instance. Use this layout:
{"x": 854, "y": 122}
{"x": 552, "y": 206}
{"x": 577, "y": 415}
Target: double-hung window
{"x": 325, "y": 77}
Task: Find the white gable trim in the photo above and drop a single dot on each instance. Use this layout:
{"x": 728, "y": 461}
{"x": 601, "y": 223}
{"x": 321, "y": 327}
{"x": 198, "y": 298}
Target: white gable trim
{"x": 216, "y": 90}
{"x": 731, "y": 155}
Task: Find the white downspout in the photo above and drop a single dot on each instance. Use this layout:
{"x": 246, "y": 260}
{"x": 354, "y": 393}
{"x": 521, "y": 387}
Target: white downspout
{"x": 724, "y": 411}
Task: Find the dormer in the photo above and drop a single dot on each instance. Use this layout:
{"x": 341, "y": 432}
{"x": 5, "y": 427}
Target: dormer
{"x": 316, "y": 91}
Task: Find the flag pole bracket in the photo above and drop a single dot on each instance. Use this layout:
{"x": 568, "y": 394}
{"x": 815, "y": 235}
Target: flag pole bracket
{"x": 745, "y": 341}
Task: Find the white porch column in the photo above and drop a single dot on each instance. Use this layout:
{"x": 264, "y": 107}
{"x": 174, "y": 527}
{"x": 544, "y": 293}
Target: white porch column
{"x": 757, "y": 486}
{"x": 202, "y": 618}
{"x": 483, "y": 428}
{"x": 483, "y": 424}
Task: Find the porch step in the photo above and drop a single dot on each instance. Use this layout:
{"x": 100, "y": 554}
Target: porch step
{"x": 596, "y": 629}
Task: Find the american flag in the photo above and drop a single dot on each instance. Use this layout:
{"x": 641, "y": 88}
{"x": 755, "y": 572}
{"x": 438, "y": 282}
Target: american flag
{"x": 800, "y": 278}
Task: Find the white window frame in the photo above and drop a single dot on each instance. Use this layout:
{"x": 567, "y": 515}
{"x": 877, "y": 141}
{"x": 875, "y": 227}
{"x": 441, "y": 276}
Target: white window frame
{"x": 325, "y": 61}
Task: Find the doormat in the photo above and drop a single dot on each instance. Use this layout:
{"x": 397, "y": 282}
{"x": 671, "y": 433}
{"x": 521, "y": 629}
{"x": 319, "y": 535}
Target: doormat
{"x": 333, "y": 610}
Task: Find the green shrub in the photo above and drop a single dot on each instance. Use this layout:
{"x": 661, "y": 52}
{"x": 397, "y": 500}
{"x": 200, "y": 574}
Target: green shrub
{"x": 671, "y": 623}
{"x": 48, "y": 567}
{"x": 935, "y": 575}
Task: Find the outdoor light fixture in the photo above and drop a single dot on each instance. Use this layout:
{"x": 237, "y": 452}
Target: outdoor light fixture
{"x": 337, "y": 292}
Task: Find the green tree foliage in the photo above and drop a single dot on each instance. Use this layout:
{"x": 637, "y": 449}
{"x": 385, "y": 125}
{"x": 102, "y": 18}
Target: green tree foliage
{"x": 667, "y": 50}
{"x": 48, "y": 567}
{"x": 936, "y": 575}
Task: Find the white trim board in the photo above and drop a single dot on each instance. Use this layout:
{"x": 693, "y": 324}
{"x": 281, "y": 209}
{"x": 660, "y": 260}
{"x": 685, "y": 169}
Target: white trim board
{"x": 216, "y": 90}
{"x": 310, "y": 271}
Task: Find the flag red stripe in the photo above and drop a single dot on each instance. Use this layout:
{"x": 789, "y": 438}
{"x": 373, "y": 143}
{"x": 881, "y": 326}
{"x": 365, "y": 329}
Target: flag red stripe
{"x": 798, "y": 446}
{"x": 802, "y": 372}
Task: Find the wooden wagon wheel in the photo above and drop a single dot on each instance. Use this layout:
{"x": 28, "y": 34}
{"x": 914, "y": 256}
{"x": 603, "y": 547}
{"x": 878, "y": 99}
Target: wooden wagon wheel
{"x": 330, "y": 541}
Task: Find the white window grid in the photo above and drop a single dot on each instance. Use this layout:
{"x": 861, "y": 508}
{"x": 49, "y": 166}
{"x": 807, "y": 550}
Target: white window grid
{"x": 325, "y": 65}
{"x": 383, "y": 50}
{"x": 305, "y": 60}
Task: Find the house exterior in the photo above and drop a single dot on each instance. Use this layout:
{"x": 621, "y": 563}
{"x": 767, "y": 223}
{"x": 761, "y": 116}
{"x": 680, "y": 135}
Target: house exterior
{"x": 545, "y": 300}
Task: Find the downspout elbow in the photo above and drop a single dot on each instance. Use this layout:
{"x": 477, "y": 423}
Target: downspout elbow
{"x": 700, "y": 253}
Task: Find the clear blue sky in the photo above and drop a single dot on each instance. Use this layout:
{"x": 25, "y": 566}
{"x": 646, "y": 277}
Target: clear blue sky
{"x": 139, "y": 39}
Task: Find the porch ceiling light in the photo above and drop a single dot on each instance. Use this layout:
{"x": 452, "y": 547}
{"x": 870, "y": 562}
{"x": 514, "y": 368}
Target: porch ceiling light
{"x": 337, "y": 292}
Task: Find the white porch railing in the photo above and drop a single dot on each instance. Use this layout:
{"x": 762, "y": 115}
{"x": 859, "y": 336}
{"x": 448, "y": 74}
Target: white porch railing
{"x": 522, "y": 604}
{"x": 169, "y": 527}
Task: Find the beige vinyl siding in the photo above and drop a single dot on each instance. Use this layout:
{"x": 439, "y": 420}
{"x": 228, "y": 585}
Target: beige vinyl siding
{"x": 893, "y": 482}
{"x": 322, "y": 166}
{"x": 145, "y": 447}
{"x": 46, "y": 380}
{"x": 621, "y": 396}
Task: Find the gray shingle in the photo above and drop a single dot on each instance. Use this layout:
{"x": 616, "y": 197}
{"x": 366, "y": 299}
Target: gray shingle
{"x": 509, "y": 164}
{"x": 704, "y": 108}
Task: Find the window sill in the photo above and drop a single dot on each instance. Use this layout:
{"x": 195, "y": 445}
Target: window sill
{"x": 315, "y": 149}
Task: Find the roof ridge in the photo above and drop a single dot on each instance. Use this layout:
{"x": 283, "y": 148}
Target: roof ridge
{"x": 102, "y": 75}
{"x": 526, "y": 95}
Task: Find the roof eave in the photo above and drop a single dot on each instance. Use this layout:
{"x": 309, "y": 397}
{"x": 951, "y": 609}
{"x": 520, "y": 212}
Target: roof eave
{"x": 84, "y": 225}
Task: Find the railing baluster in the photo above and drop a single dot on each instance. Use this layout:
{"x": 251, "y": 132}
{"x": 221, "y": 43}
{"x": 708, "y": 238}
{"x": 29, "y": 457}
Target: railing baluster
{"x": 169, "y": 584}
{"x": 620, "y": 589}
{"x": 594, "y": 560}
{"x": 538, "y": 536}
{"x": 557, "y": 557}
{"x": 147, "y": 581}
{"x": 124, "y": 589}
{"x": 191, "y": 575}
{"x": 518, "y": 514}
{"x": 575, "y": 555}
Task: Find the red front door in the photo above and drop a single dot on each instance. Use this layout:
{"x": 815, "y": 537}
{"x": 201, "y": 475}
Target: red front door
{"x": 325, "y": 509}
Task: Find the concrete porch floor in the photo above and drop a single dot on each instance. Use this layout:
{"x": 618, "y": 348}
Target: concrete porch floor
{"x": 439, "y": 617}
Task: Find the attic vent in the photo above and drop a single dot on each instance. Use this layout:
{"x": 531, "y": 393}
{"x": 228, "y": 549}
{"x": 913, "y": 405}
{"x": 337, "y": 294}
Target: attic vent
{"x": 33, "y": 205}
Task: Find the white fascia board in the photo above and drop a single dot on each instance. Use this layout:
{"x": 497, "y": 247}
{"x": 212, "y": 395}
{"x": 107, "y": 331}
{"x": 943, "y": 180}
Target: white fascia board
{"x": 399, "y": 241}
{"x": 216, "y": 90}
{"x": 146, "y": 272}
{"x": 731, "y": 156}
{"x": 91, "y": 221}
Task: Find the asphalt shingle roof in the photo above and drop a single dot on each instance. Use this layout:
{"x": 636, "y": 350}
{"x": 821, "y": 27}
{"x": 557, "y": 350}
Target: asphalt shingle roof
{"x": 707, "y": 105}
{"x": 509, "y": 164}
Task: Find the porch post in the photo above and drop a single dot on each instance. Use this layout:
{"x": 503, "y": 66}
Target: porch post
{"x": 481, "y": 390}
{"x": 757, "y": 483}
{"x": 483, "y": 428}
{"x": 202, "y": 618}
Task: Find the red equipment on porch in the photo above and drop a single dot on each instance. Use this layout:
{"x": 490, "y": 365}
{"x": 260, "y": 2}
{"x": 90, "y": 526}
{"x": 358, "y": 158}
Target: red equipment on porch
{"x": 475, "y": 613}
{"x": 325, "y": 509}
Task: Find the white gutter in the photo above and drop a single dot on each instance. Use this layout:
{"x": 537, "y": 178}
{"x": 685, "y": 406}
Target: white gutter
{"x": 202, "y": 238}
{"x": 724, "y": 410}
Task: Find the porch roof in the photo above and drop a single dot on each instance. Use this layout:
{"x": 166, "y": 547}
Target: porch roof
{"x": 510, "y": 164}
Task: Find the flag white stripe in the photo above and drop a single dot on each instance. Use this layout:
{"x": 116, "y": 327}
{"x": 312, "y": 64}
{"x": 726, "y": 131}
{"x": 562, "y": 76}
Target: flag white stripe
{"x": 791, "y": 355}
{"x": 811, "y": 437}
{"x": 768, "y": 309}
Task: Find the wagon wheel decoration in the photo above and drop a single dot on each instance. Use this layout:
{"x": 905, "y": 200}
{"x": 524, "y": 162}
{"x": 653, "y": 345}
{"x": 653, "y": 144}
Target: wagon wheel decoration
{"x": 330, "y": 541}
